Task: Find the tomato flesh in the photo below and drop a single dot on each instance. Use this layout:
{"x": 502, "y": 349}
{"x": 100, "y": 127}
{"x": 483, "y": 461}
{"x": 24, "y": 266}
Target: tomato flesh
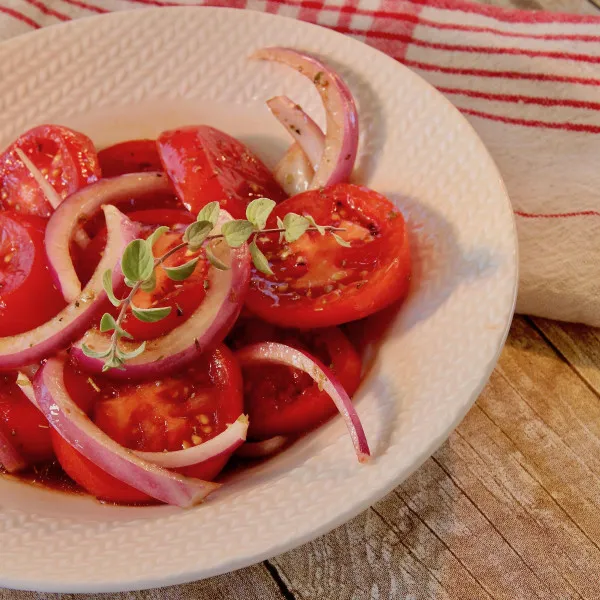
{"x": 134, "y": 156}
{"x": 24, "y": 275}
{"x": 207, "y": 165}
{"x": 174, "y": 413}
{"x": 22, "y": 423}
{"x": 66, "y": 158}
{"x": 280, "y": 400}
{"x": 317, "y": 282}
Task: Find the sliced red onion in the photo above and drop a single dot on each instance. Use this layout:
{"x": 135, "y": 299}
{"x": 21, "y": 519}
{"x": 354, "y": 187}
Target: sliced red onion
{"x": 54, "y": 199}
{"x": 10, "y": 458}
{"x": 294, "y": 171}
{"x": 32, "y": 346}
{"x": 224, "y": 443}
{"x": 208, "y": 325}
{"x": 81, "y": 206}
{"x": 300, "y": 126}
{"x": 25, "y": 385}
{"x": 341, "y": 140}
{"x": 263, "y": 448}
{"x": 77, "y": 429}
{"x": 271, "y": 352}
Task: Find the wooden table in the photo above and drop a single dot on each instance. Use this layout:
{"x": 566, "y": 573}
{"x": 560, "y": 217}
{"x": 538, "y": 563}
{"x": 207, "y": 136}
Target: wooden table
{"x": 507, "y": 509}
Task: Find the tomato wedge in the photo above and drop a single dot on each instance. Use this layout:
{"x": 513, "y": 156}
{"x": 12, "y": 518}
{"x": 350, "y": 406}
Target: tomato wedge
{"x": 173, "y": 413}
{"x": 135, "y": 156}
{"x": 24, "y": 275}
{"x": 316, "y": 281}
{"x": 23, "y": 423}
{"x": 284, "y": 401}
{"x": 65, "y": 157}
{"x": 207, "y": 165}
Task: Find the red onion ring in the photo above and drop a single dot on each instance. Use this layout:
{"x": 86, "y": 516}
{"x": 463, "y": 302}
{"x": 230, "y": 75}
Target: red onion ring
{"x": 34, "y": 345}
{"x": 300, "y": 126}
{"x": 82, "y": 205}
{"x": 25, "y": 385}
{"x": 341, "y": 140}
{"x": 224, "y": 443}
{"x": 263, "y": 448}
{"x": 77, "y": 429}
{"x": 208, "y": 325}
{"x": 10, "y": 458}
{"x": 294, "y": 171}
{"x": 271, "y": 352}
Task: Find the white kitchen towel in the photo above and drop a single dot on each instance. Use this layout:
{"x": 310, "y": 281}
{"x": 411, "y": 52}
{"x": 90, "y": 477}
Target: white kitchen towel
{"x": 529, "y": 83}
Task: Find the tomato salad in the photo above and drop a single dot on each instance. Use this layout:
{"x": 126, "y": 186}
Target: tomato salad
{"x": 166, "y": 304}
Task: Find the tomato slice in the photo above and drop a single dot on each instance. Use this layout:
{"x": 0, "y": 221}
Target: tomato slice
{"x": 135, "y": 156}
{"x": 24, "y": 275}
{"x": 316, "y": 281}
{"x": 175, "y": 412}
{"x": 284, "y": 401}
{"x": 65, "y": 157}
{"x": 23, "y": 423}
{"x": 207, "y": 165}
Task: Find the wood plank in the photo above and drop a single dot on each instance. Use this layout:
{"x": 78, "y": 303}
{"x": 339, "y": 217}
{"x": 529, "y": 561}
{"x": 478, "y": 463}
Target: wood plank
{"x": 253, "y": 583}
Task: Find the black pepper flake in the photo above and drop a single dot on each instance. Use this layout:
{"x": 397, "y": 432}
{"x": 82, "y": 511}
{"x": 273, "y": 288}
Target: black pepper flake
{"x": 76, "y": 303}
{"x": 179, "y": 310}
{"x": 197, "y": 344}
{"x": 348, "y": 156}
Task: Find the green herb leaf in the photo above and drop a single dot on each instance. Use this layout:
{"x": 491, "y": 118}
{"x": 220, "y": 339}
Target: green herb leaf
{"x": 108, "y": 288}
{"x": 181, "y": 272}
{"x": 150, "y": 315}
{"x": 93, "y": 354}
{"x": 129, "y": 355}
{"x": 155, "y": 235}
{"x": 196, "y": 233}
{"x": 114, "y": 362}
{"x": 341, "y": 241}
{"x": 259, "y": 259}
{"x": 280, "y": 225}
{"x": 129, "y": 283}
{"x": 137, "y": 262}
{"x": 210, "y": 213}
{"x": 295, "y": 226}
{"x": 237, "y": 232}
{"x": 150, "y": 283}
{"x": 318, "y": 227}
{"x": 214, "y": 261}
{"x": 258, "y": 211}
{"x": 107, "y": 323}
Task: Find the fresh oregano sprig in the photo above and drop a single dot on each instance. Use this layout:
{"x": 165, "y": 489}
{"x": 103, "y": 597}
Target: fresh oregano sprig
{"x": 139, "y": 264}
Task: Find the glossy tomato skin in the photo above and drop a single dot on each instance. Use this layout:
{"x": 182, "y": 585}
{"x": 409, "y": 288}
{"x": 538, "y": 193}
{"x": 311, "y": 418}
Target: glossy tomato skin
{"x": 317, "y": 282}
{"x": 170, "y": 414}
{"x": 134, "y": 156}
{"x": 65, "y": 157}
{"x": 23, "y": 423}
{"x": 24, "y": 275}
{"x": 284, "y": 401}
{"x": 207, "y": 165}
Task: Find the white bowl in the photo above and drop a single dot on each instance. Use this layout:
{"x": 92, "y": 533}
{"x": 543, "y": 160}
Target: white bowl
{"x": 134, "y": 74}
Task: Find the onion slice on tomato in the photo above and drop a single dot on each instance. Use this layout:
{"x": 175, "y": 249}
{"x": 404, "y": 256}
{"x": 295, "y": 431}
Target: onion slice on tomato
{"x": 10, "y": 458}
{"x": 71, "y": 322}
{"x": 300, "y": 126}
{"x": 271, "y": 352}
{"x": 224, "y": 443}
{"x": 294, "y": 171}
{"x": 81, "y": 206}
{"x": 263, "y": 448}
{"x": 208, "y": 325}
{"x": 341, "y": 139}
{"x": 77, "y": 429}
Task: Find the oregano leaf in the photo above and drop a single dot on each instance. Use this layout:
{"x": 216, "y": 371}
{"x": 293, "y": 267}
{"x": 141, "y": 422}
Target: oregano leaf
{"x": 280, "y": 225}
{"x": 129, "y": 283}
{"x": 107, "y": 323}
{"x": 150, "y": 283}
{"x": 258, "y": 211}
{"x": 237, "y": 232}
{"x": 155, "y": 235}
{"x": 341, "y": 241}
{"x": 210, "y": 213}
{"x": 137, "y": 262}
{"x": 214, "y": 261}
{"x": 196, "y": 234}
{"x": 150, "y": 315}
{"x": 259, "y": 259}
{"x": 181, "y": 272}
{"x": 108, "y": 288}
{"x": 129, "y": 355}
{"x": 295, "y": 226}
{"x": 318, "y": 227}
{"x": 93, "y": 353}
